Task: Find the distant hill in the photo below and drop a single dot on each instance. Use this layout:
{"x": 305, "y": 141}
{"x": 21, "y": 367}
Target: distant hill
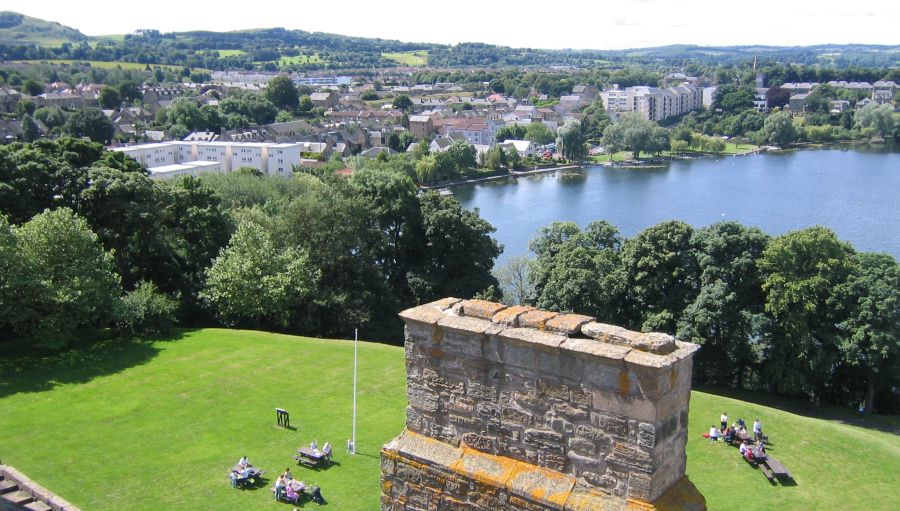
{"x": 17, "y": 28}
{"x": 271, "y": 49}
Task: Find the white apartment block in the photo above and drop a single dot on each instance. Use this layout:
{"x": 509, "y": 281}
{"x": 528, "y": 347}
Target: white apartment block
{"x": 615, "y": 100}
{"x": 653, "y": 103}
{"x": 168, "y": 159}
{"x": 194, "y": 168}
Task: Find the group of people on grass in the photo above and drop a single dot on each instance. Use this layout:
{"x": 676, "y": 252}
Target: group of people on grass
{"x": 286, "y": 488}
{"x": 241, "y": 473}
{"x": 739, "y": 430}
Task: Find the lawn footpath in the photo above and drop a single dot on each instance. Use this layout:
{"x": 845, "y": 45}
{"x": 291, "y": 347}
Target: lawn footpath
{"x": 149, "y": 425}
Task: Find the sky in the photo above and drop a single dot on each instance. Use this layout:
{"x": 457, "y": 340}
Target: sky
{"x": 592, "y": 24}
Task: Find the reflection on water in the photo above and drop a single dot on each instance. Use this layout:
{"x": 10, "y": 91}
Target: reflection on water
{"x": 854, "y": 192}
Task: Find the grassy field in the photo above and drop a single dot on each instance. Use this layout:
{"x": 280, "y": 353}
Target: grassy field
{"x": 230, "y": 53}
{"x": 149, "y": 426}
{"x": 408, "y": 58}
{"x": 300, "y": 59}
{"x": 101, "y": 64}
{"x": 155, "y": 425}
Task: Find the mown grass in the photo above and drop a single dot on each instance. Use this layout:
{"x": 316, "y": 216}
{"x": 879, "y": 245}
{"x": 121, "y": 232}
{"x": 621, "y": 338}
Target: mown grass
{"x": 230, "y": 53}
{"x": 408, "y": 58}
{"x": 151, "y": 425}
{"x": 156, "y": 425}
{"x": 101, "y": 64}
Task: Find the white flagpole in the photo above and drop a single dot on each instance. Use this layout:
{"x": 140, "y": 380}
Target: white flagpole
{"x": 355, "y": 347}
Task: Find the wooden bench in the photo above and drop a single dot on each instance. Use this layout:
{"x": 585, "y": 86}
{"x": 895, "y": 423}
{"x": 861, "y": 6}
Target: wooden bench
{"x": 305, "y": 461}
{"x": 767, "y": 472}
{"x": 780, "y": 471}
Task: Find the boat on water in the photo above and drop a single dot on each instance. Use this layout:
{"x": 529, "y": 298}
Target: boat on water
{"x": 444, "y": 192}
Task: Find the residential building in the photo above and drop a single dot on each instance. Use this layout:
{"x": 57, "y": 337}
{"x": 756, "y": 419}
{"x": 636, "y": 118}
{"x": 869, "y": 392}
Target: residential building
{"x": 709, "y": 96}
{"x": 8, "y": 100}
{"x": 797, "y": 103}
{"x": 194, "y": 168}
{"x": 421, "y": 126}
{"x": 615, "y": 100}
{"x": 276, "y": 159}
{"x": 525, "y": 148}
{"x": 324, "y": 100}
{"x": 65, "y": 100}
{"x": 588, "y": 93}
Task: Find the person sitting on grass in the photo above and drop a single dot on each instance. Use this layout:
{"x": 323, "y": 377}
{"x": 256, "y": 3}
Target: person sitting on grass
{"x": 713, "y": 433}
{"x": 729, "y": 436}
{"x": 746, "y": 451}
{"x": 234, "y": 476}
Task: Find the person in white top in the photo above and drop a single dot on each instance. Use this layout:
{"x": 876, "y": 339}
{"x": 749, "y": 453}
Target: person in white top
{"x": 243, "y": 462}
{"x": 757, "y": 430}
{"x": 724, "y": 420}
{"x": 713, "y": 433}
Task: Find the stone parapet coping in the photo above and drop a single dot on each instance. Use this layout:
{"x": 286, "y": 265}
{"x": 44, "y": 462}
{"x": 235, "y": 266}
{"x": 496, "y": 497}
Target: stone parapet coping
{"x": 580, "y": 335}
{"x": 530, "y": 482}
{"x": 37, "y": 491}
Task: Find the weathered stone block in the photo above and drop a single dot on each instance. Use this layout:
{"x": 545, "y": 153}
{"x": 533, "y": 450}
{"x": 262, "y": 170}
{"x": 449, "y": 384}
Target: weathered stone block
{"x": 510, "y": 316}
{"x": 568, "y": 324}
{"x": 547, "y": 440}
{"x": 481, "y": 442}
{"x": 611, "y": 424}
{"x": 481, "y": 309}
{"x": 631, "y": 457}
{"x": 536, "y": 319}
{"x": 646, "y": 435}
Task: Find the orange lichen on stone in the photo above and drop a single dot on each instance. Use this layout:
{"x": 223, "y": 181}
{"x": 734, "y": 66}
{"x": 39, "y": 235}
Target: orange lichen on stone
{"x": 510, "y": 316}
{"x": 482, "y": 309}
{"x": 536, "y": 319}
{"x": 485, "y": 468}
{"x": 568, "y": 323}
{"x": 624, "y": 383}
{"x": 541, "y": 485}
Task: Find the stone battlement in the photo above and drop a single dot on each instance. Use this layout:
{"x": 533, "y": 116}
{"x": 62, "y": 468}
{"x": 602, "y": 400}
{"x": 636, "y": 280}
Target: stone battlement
{"x": 596, "y": 405}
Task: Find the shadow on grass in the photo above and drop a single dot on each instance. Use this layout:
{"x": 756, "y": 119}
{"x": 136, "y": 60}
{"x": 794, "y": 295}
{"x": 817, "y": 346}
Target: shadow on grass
{"x": 796, "y": 406}
{"x": 92, "y": 355}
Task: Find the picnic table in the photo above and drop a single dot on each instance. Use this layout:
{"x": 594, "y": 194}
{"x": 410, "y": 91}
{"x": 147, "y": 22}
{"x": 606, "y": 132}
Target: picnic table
{"x": 311, "y": 457}
{"x": 780, "y": 471}
{"x": 252, "y": 473}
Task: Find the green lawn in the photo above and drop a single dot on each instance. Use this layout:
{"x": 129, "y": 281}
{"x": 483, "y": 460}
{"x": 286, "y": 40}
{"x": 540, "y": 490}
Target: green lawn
{"x": 155, "y": 425}
{"x": 101, "y": 64}
{"x": 230, "y": 53}
{"x": 836, "y": 463}
{"x": 408, "y": 58}
{"x": 299, "y": 60}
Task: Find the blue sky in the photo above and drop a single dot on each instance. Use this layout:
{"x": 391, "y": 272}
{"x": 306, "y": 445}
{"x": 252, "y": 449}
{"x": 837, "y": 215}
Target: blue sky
{"x": 593, "y": 24}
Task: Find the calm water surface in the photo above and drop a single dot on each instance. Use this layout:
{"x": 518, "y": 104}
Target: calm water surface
{"x": 854, "y": 192}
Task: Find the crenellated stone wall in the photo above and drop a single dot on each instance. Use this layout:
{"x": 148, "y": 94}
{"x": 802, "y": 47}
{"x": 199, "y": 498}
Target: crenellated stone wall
{"x": 516, "y": 408}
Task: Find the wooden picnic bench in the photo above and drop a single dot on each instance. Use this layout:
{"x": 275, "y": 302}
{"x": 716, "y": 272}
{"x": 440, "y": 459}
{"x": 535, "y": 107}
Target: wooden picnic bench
{"x": 301, "y": 460}
{"x": 780, "y": 471}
